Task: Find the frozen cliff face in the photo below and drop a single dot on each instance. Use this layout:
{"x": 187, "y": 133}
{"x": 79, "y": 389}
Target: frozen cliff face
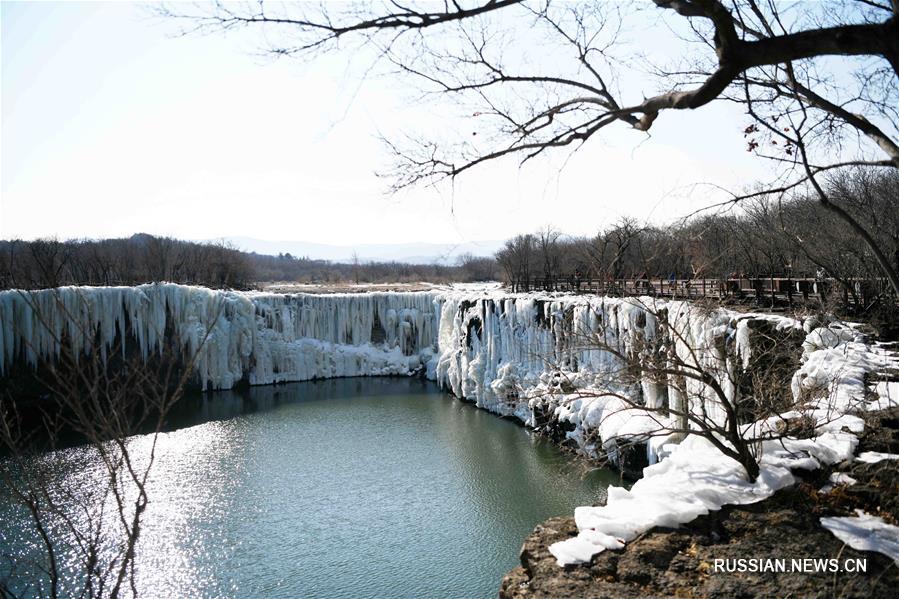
{"x": 263, "y": 338}
{"x": 323, "y": 336}
{"x": 562, "y": 360}
{"x": 568, "y": 361}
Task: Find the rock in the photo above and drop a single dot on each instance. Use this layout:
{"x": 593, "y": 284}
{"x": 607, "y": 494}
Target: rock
{"x": 679, "y": 563}
{"x": 632, "y": 459}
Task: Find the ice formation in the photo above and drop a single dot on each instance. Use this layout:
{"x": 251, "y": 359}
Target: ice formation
{"x": 539, "y": 358}
{"x": 566, "y": 359}
{"x": 262, "y": 338}
{"x": 696, "y": 479}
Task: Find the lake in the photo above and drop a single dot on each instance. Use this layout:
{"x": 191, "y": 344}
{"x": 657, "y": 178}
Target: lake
{"x": 362, "y": 487}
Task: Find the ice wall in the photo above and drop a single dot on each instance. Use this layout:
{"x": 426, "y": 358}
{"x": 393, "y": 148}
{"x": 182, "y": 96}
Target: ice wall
{"x": 564, "y": 360}
{"x": 570, "y": 359}
{"x": 263, "y": 338}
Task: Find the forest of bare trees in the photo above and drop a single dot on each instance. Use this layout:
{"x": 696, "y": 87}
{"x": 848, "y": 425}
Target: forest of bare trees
{"x": 764, "y": 238}
{"x": 47, "y": 263}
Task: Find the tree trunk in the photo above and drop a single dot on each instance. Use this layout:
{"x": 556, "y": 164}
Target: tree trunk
{"x": 882, "y": 261}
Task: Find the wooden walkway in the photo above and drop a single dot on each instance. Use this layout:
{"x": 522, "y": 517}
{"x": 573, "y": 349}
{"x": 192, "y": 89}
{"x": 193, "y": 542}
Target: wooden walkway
{"x": 771, "y": 289}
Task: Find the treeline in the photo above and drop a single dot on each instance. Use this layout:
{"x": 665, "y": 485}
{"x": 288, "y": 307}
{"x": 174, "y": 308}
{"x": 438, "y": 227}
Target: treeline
{"x": 134, "y": 260}
{"x": 285, "y": 267}
{"x": 758, "y": 238}
{"x": 145, "y": 258}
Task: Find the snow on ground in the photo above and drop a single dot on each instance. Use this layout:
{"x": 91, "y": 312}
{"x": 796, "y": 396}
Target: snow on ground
{"x": 865, "y": 533}
{"x": 887, "y": 395}
{"x": 481, "y": 286}
{"x": 838, "y": 479}
{"x": 696, "y": 479}
{"x": 328, "y": 288}
{"x": 872, "y": 457}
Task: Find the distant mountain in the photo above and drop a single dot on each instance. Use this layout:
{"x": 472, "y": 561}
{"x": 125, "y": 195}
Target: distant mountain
{"x": 412, "y": 253}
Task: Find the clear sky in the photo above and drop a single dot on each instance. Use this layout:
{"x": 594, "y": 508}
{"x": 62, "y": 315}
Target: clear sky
{"x": 112, "y": 126}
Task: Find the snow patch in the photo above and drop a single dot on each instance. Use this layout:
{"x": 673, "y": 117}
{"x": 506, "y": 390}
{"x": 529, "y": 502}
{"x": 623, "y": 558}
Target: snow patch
{"x": 865, "y": 533}
{"x": 872, "y": 457}
{"x": 838, "y": 479}
{"x": 697, "y": 478}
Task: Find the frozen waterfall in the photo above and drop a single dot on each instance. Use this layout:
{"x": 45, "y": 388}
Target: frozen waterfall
{"x": 526, "y": 355}
{"x": 264, "y": 338}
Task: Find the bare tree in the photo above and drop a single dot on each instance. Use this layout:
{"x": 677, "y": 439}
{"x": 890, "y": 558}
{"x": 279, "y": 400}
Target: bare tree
{"x": 477, "y": 268}
{"x": 548, "y": 249}
{"x": 159, "y": 257}
{"x": 704, "y": 387}
{"x": 818, "y": 80}
{"x": 50, "y": 256}
{"x": 86, "y": 534}
{"x": 355, "y": 263}
{"x": 516, "y": 259}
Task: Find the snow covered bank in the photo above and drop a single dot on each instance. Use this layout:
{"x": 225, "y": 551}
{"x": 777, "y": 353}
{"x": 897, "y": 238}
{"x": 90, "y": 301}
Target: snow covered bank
{"x": 697, "y": 478}
{"x": 566, "y": 359}
{"x": 866, "y": 533}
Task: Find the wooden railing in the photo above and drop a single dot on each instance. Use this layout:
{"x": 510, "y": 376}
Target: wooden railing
{"x": 855, "y": 291}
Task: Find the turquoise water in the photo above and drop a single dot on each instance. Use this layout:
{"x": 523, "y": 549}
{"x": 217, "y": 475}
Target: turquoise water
{"x": 343, "y": 488}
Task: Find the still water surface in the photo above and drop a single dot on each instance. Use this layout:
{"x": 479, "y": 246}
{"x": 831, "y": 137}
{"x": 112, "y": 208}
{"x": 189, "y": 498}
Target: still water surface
{"x": 345, "y": 488}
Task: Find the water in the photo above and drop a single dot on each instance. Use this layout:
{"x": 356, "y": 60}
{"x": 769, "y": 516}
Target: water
{"x": 343, "y": 488}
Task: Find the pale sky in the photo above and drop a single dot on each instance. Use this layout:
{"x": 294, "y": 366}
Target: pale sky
{"x": 112, "y": 126}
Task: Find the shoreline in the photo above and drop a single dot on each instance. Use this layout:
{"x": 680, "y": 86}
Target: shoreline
{"x": 681, "y": 561}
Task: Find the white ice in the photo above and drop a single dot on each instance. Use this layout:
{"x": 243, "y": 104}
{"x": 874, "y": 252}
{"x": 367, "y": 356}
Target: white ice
{"x": 263, "y": 337}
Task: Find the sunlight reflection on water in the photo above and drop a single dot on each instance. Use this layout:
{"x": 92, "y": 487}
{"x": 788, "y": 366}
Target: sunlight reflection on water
{"x": 346, "y": 488}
